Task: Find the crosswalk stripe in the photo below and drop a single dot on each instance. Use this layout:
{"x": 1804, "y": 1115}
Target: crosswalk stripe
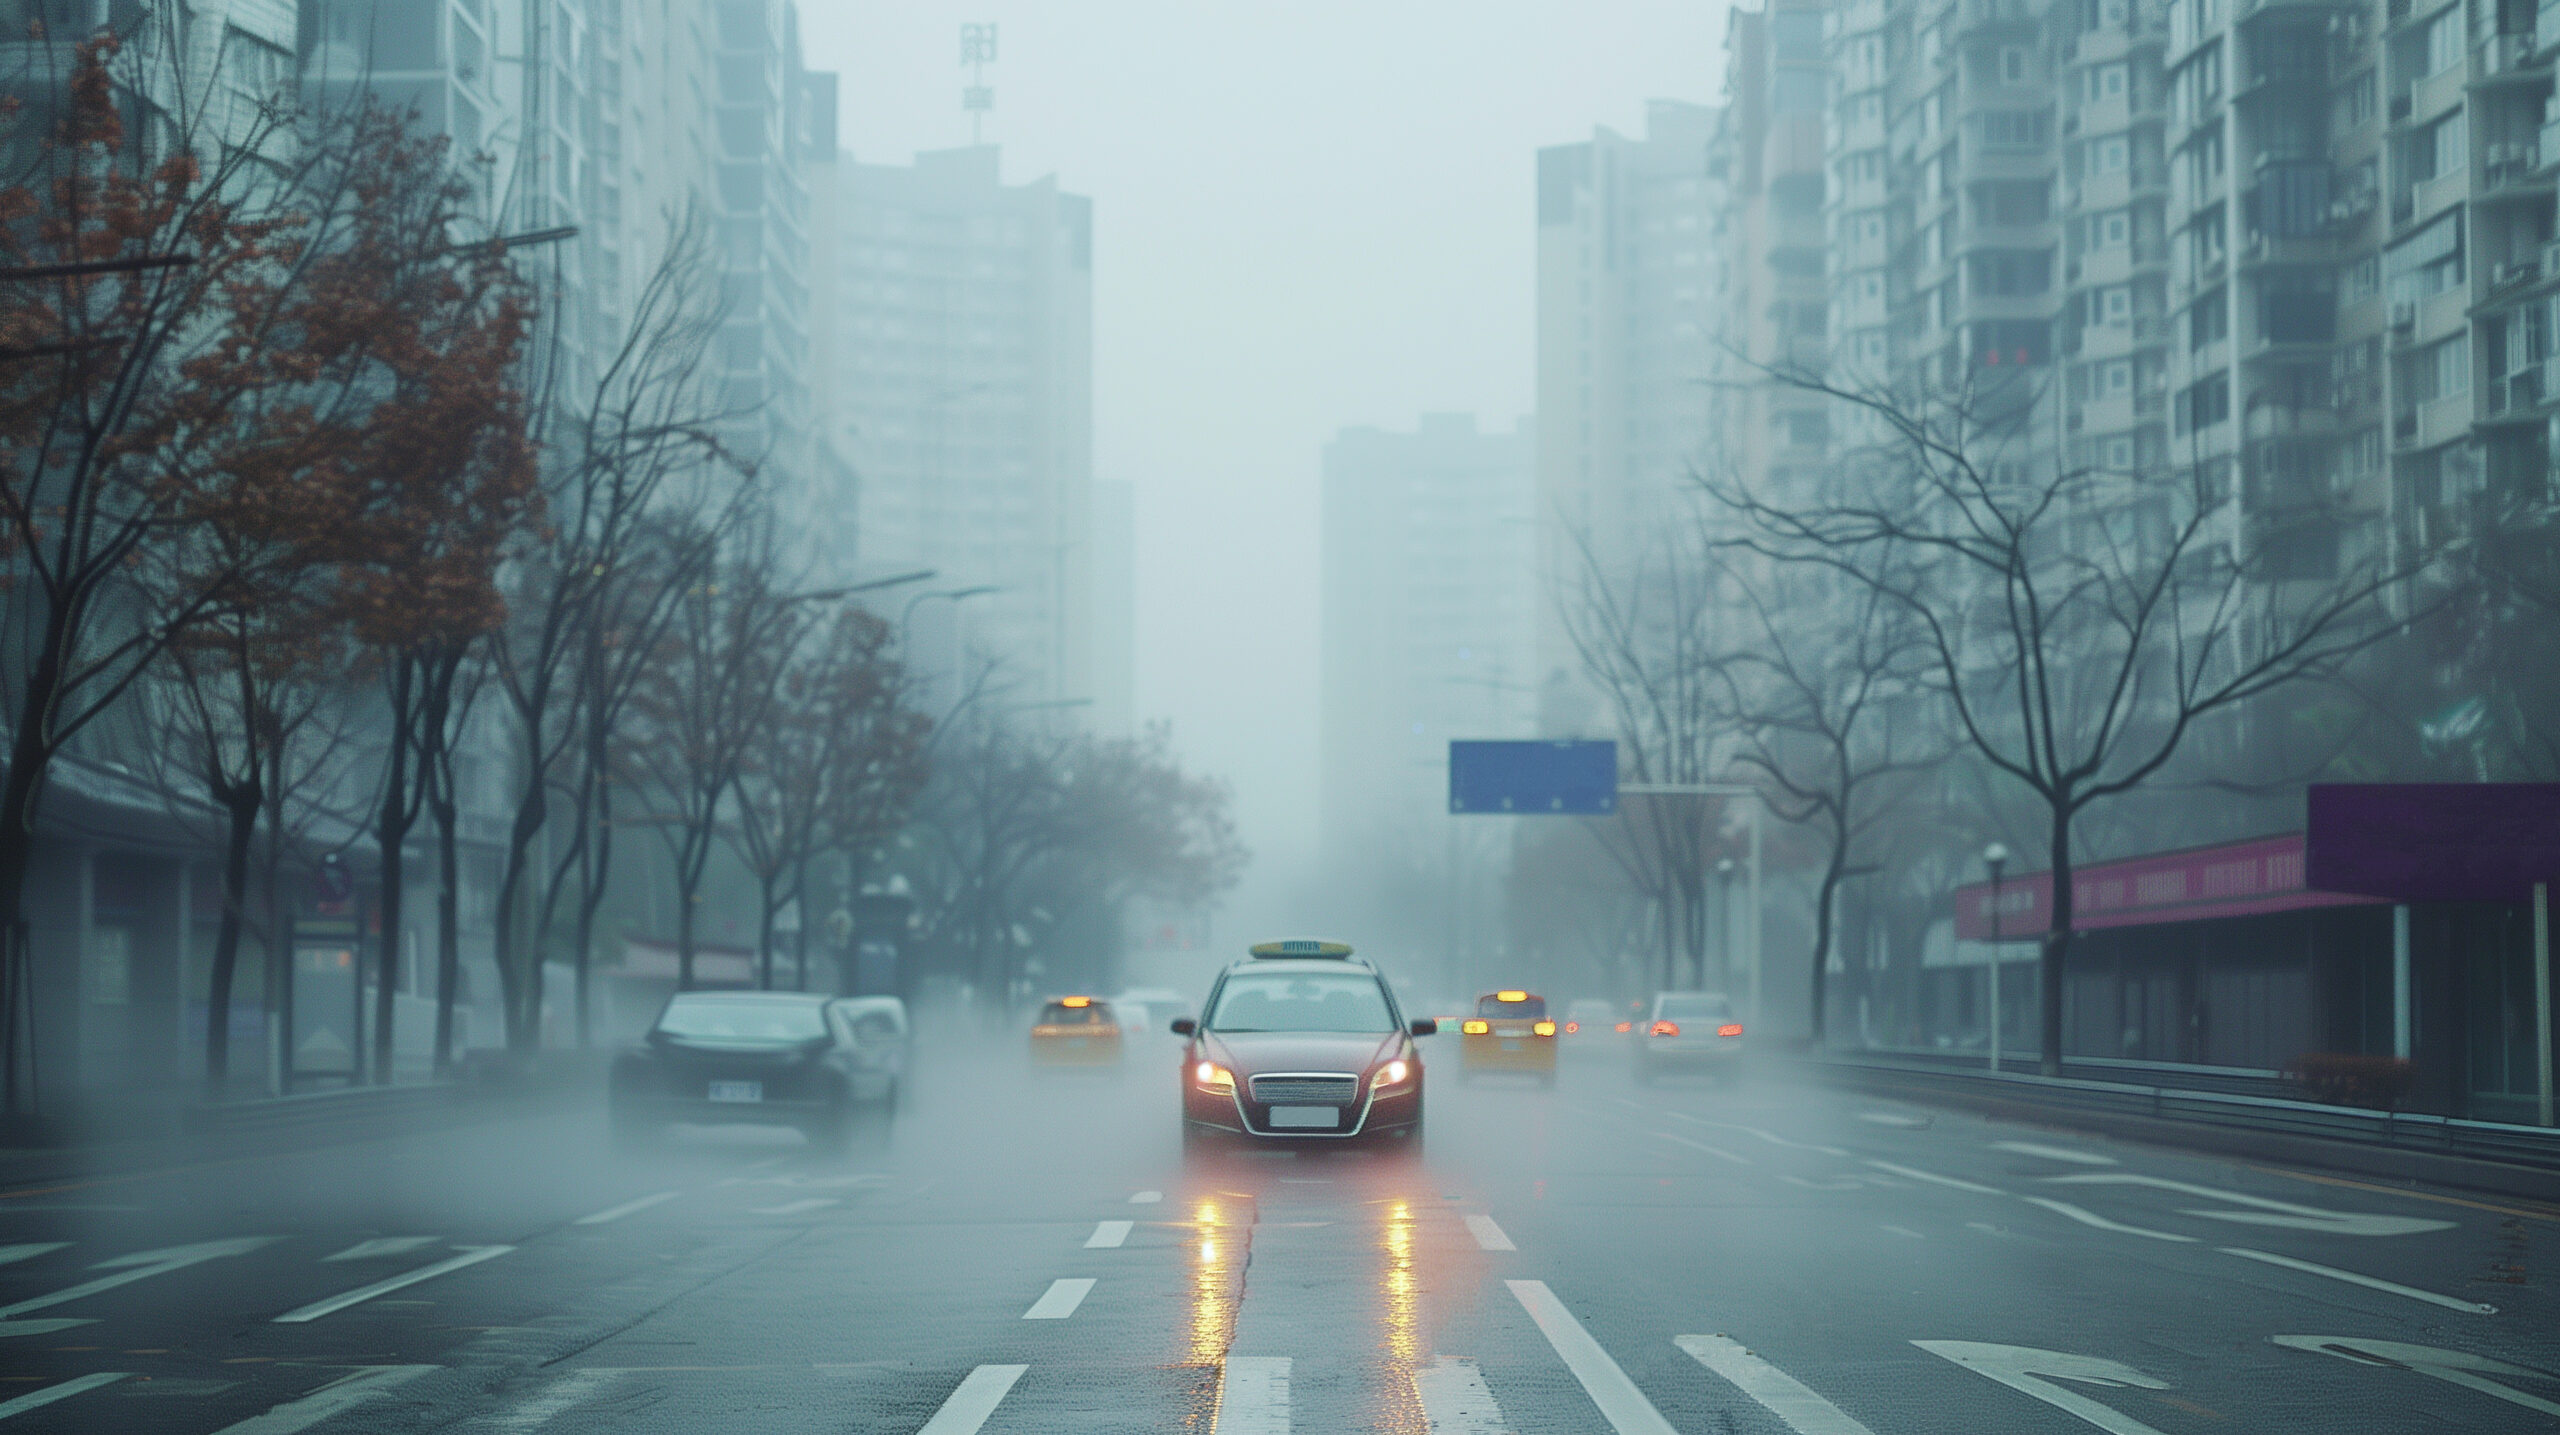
{"x": 1621, "y": 1404}
{"x": 1780, "y": 1393}
{"x": 1455, "y": 1400}
{"x": 331, "y": 1399}
{"x": 1253, "y": 1396}
{"x": 1488, "y": 1235}
{"x": 38, "y": 1399}
{"x": 1061, "y": 1299}
{"x": 1109, "y": 1235}
{"x": 976, "y": 1398}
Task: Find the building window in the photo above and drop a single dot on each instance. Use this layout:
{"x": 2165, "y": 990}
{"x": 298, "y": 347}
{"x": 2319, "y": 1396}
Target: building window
{"x": 2013, "y": 65}
{"x": 2011, "y": 129}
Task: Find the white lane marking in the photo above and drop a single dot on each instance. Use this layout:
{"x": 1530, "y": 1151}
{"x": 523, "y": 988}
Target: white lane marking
{"x": 795, "y": 1208}
{"x": 1906, "y": 1231}
{"x": 1935, "y": 1179}
{"x": 2092, "y": 1218}
{"x": 1621, "y": 1404}
{"x": 2267, "y": 1212}
{"x": 2023, "y": 1368}
{"x": 1984, "y": 1227}
{"x": 2456, "y": 1367}
{"x": 2054, "y": 1153}
{"x": 1890, "y": 1118}
{"x": 1489, "y": 1237}
{"x": 384, "y": 1246}
{"x": 1771, "y": 1137}
{"x": 10, "y": 1255}
{"x": 331, "y": 1399}
{"x": 1703, "y": 1146}
{"x": 1109, "y": 1235}
{"x": 470, "y": 1256}
{"x": 1061, "y": 1299}
{"x": 1253, "y": 1396}
{"x": 1146, "y": 1198}
{"x": 140, "y": 1266}
{"x": 1846, "y": 1183}
{"x": 1782, "y": 1394}
{"x": 611, "y": 1214}
{"x": 38, "y": 1399}
{"x": 978, "y": 1395}
{"x": 1455, "y": 1400}
{"x": 566, "y": 1393}
{"x": 2467, "y": 1307}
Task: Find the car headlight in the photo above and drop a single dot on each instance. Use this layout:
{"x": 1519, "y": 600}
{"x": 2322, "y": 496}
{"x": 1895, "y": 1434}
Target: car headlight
{"x": 1210, "y": 1076}
{"x": 1391, "y": 1074}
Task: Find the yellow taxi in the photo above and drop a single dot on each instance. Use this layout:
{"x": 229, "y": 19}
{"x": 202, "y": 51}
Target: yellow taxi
{"x": 1076, "y": 1031}
{"x": 1509, "y": 1032}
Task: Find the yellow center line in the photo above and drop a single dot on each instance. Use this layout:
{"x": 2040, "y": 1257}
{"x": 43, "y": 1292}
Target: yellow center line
{"x": 2545, "y": 1213}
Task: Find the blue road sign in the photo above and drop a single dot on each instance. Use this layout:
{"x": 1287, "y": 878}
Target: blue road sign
{"x": 1573, "y": 779}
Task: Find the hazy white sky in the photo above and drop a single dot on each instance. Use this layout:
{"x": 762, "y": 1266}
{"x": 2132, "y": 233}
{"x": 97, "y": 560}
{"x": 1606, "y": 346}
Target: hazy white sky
{"x": 1307, "y": 214}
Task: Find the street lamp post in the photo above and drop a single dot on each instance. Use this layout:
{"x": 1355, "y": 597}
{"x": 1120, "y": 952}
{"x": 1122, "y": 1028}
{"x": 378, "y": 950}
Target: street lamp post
{"x": 1724, "y": 924}
{"x": 1995, "y": 857}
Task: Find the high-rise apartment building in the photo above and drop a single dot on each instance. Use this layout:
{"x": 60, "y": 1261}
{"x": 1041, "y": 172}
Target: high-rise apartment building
{"x": 1428, "y": 631}
{"x": 962, "y": 394}
{"x": 1628, "y": 290}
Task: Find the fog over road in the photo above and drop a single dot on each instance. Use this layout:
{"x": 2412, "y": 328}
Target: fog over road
{"x": 1026, "y": 1251}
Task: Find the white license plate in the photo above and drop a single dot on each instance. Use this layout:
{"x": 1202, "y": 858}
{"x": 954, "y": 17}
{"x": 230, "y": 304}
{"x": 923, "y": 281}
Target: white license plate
{"x": 1303, "y": 1117}
{"x": 1511, "y": 1046}
{"x": 737, "y": 1091}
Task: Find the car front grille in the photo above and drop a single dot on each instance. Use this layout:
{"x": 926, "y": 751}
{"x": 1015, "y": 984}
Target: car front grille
{"x": 1306, "y": 1090}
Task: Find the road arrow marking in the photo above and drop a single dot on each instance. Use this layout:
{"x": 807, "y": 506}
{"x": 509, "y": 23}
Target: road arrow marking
{"x": 2467, "y": 1307}
{"x": 2092, "y": 1218}
{"x": 140, "y": 1266}
{"x": 2025, "y": 1369}
{"x": 331, "y": 1399}
{"x": 2266, "y": 1212}
{"x": 470, "y": 1256}
{"x": 384, "y": 1246}
{"x": 2455, "y": 1367}
{"x": 38, "y": 1399}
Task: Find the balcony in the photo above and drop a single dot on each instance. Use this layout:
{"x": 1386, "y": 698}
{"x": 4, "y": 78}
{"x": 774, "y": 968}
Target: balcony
{"x": 2508, "y": 59}
{"x": 2516, "y": 396}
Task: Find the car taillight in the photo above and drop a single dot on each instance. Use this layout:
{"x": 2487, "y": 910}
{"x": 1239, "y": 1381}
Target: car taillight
{"x": 1626, "y": 1026}
{"x": 1544, "y": 1028}
{"x": 1476, "y": 1028}
{"x": 1572, "y": 1027}
{"x": 1731, "y": 1028}
{"x": 1666, "y": 1028}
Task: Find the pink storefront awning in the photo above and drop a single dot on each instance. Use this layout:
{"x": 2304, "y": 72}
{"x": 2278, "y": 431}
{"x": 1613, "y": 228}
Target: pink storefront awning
{"x": 2237, "y": 879}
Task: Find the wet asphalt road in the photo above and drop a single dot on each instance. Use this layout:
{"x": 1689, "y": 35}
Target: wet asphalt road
{"x": 1029, "y": 1254}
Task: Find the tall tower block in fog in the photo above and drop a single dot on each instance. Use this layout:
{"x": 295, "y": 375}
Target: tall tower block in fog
{"x": 961, "y": 392}
{"x": 1627, "y": 282}
{"x": 1429, "y": 618}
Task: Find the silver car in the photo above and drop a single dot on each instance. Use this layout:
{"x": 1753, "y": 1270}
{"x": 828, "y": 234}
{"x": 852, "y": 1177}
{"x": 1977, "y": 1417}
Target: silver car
{"x": 1688, "y": 1031}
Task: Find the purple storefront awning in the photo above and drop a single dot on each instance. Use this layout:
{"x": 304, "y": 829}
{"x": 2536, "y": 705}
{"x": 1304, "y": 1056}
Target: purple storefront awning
{"x": 2434, "y": 841}
{"x": 2236, "y": 879}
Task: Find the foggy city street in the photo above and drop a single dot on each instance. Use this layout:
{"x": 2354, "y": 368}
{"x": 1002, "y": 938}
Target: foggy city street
{"x": 970, "y": 717}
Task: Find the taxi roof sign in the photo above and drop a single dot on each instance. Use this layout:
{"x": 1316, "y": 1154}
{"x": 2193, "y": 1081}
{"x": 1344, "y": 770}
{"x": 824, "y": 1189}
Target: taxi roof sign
{"x": 1075, "y": 1001}
{"x": 1301, "y": 949}
{"x": 1510, "y": 996}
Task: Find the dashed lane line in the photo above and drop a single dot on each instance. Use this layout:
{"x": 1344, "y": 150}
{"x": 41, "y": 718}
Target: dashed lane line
{"x": 29, "y": 1250}
{"x": 1906, "y": 1231}
{"x": 1109, "y": 1235}
{"x": 38, "y": 1399}
{"x": 567, "y": 1393}
{"x": 1717, "y": 1152}
{"x": 1061, "y": 1299}
{"x": 469, "y": 1256}
{"x": 977, "y": 1397}
{"x": 1253, "y": 1396}
{"x": 1620, "y": 1402}
{"x": 1455, "y": 1399}
{"x": 797, "y": 1208}
{"x": 332, "y": 1399}
{"x": 1489, "y": 1236}
{"x": 1146, "y": 1198}
{"x": 378, "y": 1248}
{"x": 1893, "y": 1118}
{"x": 2467, "y": 1307}
{"x": 611, "y": 1214}
{"x": 1771, "y": 1137}
{"x": 2091, "y": 1218}
{"x": 1933, "y": 1178}
{"x": 2054, "y": 1153}
{"x": 1781, "y": 1394}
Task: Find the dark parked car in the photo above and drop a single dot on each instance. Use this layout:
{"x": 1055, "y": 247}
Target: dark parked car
{"x": 773, "y": 1058}
{"x": 1301, "y": 1045}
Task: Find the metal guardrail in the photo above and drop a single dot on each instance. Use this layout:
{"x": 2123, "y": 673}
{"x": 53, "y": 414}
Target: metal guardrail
{"x": 2514, "y": 1145}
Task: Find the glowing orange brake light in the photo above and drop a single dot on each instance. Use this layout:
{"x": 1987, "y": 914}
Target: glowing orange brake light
{"x": 1571, "y": 1027}
{"x": 1476, "y": 1028}
{"x": 1626, "y": 1026}
{"x": 1510, "y": 996}
{"x": 1666, "y": 1028}
{"x": 1544, "y": 1028}
{"x": 1731, "y": 1028}
{"x": 1075, "y": 1001}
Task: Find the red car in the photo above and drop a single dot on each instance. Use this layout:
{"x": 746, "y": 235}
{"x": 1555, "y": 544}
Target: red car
{"x": 1301, "y": 1045}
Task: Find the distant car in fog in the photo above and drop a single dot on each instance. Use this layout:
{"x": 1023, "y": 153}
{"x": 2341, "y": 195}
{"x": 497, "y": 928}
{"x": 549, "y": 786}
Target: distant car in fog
{"x": 1510, "y": 1032}
{"x": 1588, "y": 1020}
{"x": 1689, "y": 1031}
{"x": 1076, "y": 1031}
{"x": 768, "y": 1058}
{"x": 1301, "y": 1045}
{"x": 1145, "y": 1010}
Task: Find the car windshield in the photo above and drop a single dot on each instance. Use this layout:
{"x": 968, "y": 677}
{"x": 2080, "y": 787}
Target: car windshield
{"x": 1696, "y": 1008}
{"x": 732, "y": 1019}
{"x": 1274, "y": 1001}
{"x": 1086, "y": 1014}
{"x": 1522, "y": 1008}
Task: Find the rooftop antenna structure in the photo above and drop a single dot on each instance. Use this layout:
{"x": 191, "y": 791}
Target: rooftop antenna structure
{"x": 977, "y": 51}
